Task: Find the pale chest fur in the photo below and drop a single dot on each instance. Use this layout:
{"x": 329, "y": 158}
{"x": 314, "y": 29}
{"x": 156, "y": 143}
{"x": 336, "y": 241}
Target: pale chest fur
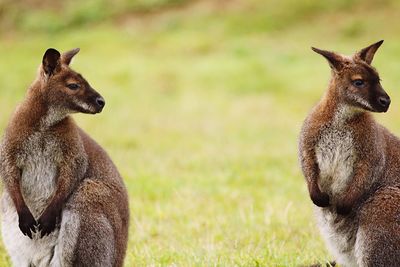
{"x": 335, "y": 153}
{"x": 38, "y": 162}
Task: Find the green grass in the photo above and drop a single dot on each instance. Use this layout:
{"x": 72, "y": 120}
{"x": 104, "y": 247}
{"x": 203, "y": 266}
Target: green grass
{"x": 204, "y": 106}
{"x": 52, "y": 16}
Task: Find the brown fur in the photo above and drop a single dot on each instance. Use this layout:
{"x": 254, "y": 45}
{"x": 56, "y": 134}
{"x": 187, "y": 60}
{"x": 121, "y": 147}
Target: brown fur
{"x": 342, "y": 120}
{"x": 87, "y": 182}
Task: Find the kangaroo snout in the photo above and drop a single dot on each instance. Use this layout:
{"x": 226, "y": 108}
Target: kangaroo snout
{"x": 100, "y": 103}
{"x": 384, "y": 102}
{"x": 95, "y": 102}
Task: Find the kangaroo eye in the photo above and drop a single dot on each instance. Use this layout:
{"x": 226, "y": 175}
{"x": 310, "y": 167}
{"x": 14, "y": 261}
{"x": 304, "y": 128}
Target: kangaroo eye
{"x": 358, "y": 83}
{"x": 73, "y": 86}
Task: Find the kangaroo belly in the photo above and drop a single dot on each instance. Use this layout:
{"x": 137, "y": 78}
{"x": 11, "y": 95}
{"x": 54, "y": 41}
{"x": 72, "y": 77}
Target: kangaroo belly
{"x": 335, "y": 155}
{"x": 339, "y": 234}
{"x": 38, "y": 183}
{"x": 39, "y": 172}
{"x": 23, "y": 250}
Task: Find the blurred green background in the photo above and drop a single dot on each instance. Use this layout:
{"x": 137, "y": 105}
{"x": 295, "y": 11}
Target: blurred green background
{"x": 205, "y": 100}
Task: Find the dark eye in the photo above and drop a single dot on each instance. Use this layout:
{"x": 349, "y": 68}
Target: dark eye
{"x": 73, "y": 86}
{"x": 358, "y": 83}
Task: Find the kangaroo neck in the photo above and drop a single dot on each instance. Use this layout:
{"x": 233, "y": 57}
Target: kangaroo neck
{"x": 39, "y": 115}
{"x": 339, "y": 113}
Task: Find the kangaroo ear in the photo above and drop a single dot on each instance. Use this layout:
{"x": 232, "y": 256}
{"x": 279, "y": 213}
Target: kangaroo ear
{"x": 367, "y": 54}
{"x": 335, "y": 60}
{"x": 67, "y": 56}
{"x": 51, "y": 61}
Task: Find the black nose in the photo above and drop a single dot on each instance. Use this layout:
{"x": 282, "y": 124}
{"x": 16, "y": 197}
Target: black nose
{"x": 384, "y": 101}
{"x": 100, "y": 102}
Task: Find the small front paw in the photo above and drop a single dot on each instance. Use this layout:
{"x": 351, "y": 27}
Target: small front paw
{"x": 47, "y": 223}
{"x": 26, "y": 222}
{"x": 343, "y": 209}
{"x": 321, "y": 199}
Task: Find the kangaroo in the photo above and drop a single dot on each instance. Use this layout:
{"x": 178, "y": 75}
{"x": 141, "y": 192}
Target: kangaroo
{"x": 64, "y": 202}
{"x": 352, "y": 164}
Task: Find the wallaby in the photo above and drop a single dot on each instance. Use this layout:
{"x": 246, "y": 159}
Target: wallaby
{"x": 352, "y": 164}
{"x": 64, "y": 202}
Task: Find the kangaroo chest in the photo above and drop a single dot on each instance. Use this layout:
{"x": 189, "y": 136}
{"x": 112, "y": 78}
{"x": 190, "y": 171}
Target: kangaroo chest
{"x": 335, "y": 155}
{"x": 38, "y": 162}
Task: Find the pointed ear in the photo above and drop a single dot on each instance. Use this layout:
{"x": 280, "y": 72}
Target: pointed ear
{"x": 67, "y": 56}
{"x": 51, "y": 61}
{"x": 367, "y": 54}
{"x": 335, "y": 60}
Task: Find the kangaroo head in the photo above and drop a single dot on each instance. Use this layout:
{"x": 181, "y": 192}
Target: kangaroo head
{"x": 355, "y": 82}
{"x": 65, "y": 90}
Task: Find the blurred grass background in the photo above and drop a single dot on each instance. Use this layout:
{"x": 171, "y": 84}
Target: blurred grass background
{"x": 205, "y": 100}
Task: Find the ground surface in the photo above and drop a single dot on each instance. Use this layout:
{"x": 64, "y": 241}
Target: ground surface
{"x": 204, "y": 106}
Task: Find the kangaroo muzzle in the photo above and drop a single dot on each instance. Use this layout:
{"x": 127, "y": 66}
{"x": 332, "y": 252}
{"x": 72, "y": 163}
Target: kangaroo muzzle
{"x": 96, "y": 102}
{"x": 100, "y": 103}
{"x": 384, "y": 102}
